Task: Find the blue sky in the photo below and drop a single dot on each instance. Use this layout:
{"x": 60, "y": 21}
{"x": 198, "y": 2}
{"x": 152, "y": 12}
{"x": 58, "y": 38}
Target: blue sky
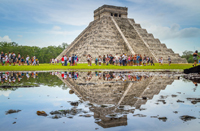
{"x": 52, "y": 22}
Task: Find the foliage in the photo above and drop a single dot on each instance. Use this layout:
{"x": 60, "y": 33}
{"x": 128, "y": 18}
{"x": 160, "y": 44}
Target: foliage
{"x": 83, "y": 66}
{"x": 43, "y": 78}
{"x": 43, "y": 54}
{"x": 188, "y": 56}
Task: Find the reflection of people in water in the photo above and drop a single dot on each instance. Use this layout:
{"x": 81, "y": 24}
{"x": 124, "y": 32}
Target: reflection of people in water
{"x": 27, "y": 76}
{"x": 12, "y": 77}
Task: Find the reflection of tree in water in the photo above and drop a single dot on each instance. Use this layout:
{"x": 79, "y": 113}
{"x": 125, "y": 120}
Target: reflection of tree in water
{"x": 29, "y": 79}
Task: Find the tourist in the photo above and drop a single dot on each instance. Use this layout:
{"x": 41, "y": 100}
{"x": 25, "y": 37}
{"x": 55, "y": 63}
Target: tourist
{"x": 116, "y": 59}
{"x": 169, "y": 60}
{"x": 129, "y": 60}
{"x": 135, "y": 59}
{"x": 75, "y": 60}
{"x": 195, "y": 55}
{"x": 6, "y": 59}
{"x": 161, "y": 61}
{"x": 55, "y": 61}
{"x": 22, "y": 60}
{"x": 36, "y": 61}
{"x": 88, "y": 59}
{"x": 27, "y": 60}
{"x": 107, "y": 60}
{"x": 123, "y": 59}
{"x": 144, "y": 60}
{"x": 138, "y": 59}
{"x": 2, "y": 56}
{"x": 65, "y": 59}
{"x": 151, "y": 61}
{"x": 132, "y": 60}
{"x": 99, "y": 60}
{"x": 148, "y": 60}
{"x": 19, "y": 59}
{"x": 62, "y": 60}
{"x": 9, "y": 58}
{"x": 96, "y": 61}
{"x": 104, "y": 59}
{"x": 52, "y": 61}
{"x": 14, "y": 59}
{"x": 140, "y": 63}
{"x": 70, "y": 59}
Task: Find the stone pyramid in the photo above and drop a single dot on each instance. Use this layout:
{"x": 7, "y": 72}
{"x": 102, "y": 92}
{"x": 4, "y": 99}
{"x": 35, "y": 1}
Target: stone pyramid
{"x": 112, "y": 32}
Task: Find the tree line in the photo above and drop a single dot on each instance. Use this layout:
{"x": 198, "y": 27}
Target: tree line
{"x": 188, "y": 55}
{"x": 44, "y": 54}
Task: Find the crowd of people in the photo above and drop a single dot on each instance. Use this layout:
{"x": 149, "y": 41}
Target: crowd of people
{"x": 125, "y": 60}
{"x": 11, "y": 58}
{"x": 72, "y": 60}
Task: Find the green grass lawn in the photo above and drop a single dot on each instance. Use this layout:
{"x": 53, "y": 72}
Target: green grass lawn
{"x": 83, "y": 66}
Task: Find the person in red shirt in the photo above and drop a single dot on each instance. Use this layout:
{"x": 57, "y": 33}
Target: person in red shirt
{"x": 62, "y": 60}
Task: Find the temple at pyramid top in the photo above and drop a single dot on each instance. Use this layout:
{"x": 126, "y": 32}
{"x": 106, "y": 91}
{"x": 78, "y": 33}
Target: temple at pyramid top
{"x": 109, "y": 10}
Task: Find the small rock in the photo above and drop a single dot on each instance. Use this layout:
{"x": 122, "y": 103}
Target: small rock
{"x": 96, "y": 128}
{"x": 12, "y": 111}
{"x": 89, "y": 104}
{"x": 163, "y": 97}
{"x": 154, "y": 116}
{"x": 55, "y": 112}
{"x": 163, "y": 101}
{"x": 164, "y": 119}
{"x": 56, "y": 117}
{"x": 87, "y": 115}
{"x": 140, "y": 115}
{"x": 187, "y": 118}
{"x": 74, "y": 103}
{"x": 175, "y": 112}
{"x": 41, "y": 113}
{"x": 14, "y": 122}
{"x": 179, "y": 101}
{"x": 174, "y": 95}
{"x": 104, "y": 106}
{"x": 141, "y": 109}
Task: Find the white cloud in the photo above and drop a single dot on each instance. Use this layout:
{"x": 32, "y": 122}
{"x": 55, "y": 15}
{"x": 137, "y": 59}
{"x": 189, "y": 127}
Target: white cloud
{"x": 5, "y": 39}
{"x": 56, "y": 28}
{"x": 163, "y": 32}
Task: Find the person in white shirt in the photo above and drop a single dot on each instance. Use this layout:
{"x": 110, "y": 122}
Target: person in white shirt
{"x": 52, "y": 61}
{"x": 27, "y": 60}
{"x": 117, "y": 59}
{"x": 55, "y": 61}
{"x": 6, "y": 59}
{"x": 65, "y": 59}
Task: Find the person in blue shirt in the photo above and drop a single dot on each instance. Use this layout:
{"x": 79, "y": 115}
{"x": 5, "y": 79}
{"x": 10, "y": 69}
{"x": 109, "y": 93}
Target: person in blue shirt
{"x": 75, "y": 59}
{"x": 137, "y": 59}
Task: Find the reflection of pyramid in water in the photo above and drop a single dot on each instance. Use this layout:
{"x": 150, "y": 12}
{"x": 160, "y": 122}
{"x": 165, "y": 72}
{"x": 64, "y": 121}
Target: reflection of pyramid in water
{"x": 101, "y": 92}
{"x": 112, "y": 32}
